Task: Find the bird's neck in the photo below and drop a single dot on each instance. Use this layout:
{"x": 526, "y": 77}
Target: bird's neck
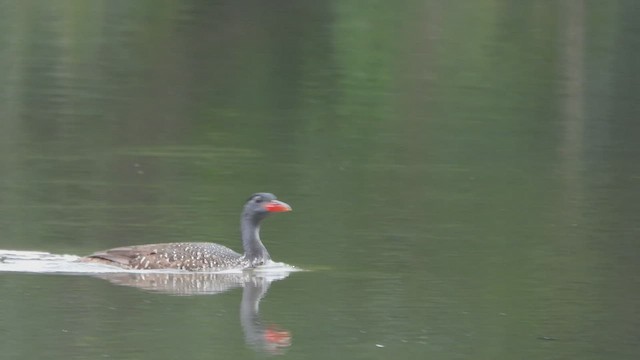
{"x": 254, "y": 250}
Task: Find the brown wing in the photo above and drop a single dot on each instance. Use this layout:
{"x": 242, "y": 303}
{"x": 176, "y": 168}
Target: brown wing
{"x": 129, "y": 256}
{"x": 187, "y": 256}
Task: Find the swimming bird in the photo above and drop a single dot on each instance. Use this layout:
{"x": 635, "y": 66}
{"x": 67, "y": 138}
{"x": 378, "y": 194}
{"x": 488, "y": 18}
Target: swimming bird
{"x": 201, "y": 256}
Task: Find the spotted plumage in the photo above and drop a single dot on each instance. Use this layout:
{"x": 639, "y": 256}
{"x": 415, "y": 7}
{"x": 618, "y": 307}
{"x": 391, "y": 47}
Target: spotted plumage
{"x": 201, "y": 256}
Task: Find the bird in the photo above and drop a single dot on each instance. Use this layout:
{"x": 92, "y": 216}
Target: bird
{"x": 201, "y": 256}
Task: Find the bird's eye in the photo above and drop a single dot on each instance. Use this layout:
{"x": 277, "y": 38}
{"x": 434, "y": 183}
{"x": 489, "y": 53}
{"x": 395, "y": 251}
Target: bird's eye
{"x": 258, "y": 199}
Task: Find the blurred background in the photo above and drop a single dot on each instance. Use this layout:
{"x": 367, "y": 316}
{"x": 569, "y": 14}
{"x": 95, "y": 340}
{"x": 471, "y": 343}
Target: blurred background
{"x": 464, "y": 174}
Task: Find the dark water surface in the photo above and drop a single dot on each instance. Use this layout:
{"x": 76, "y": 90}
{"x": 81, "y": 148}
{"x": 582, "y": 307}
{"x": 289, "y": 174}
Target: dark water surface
{"x": 465, "y": 176}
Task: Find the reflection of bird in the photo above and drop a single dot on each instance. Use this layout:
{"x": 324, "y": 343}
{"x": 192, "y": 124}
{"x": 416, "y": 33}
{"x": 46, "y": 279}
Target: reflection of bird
{"x": 189, "y": 284}
{"x": 277, "y": 337}
{"x": 267, "y": 338}
{"x": 178, "y": 283}
{"x": 272, "y": 339}
{"x": 201, "y": 256}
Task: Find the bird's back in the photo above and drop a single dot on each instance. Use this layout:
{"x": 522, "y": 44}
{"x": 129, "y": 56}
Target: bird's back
{"x": 183, "y": 256}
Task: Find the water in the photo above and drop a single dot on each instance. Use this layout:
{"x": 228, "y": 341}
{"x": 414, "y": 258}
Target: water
{"x": 463, "y": 177}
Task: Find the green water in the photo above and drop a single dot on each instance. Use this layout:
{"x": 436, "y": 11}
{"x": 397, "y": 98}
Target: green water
{"x": 464, "y": 175}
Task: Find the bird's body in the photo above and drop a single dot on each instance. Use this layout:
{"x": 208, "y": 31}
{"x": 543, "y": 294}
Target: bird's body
{"x": 200, "y": 256}
{"x": 182, "y": 256}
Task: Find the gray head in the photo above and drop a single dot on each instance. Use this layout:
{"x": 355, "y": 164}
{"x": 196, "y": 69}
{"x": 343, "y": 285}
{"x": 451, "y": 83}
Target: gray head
{"x": 260, "y": 205}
